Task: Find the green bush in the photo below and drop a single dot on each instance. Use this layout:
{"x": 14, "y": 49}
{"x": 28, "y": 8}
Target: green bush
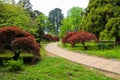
{"x": 14, "y": 65}
{"x": 101, "y": 45}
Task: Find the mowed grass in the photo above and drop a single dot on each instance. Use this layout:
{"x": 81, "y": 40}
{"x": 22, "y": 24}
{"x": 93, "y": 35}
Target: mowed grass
{"x": 53, "y": 68}
{"x": 109, "y": 52}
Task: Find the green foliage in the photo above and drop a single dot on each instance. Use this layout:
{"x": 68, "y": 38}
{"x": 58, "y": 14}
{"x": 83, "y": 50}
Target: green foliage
{"x": 41, "y": 23}
{"x": 72, "y": 21}
{"x": 9, "y": 1}
{"x": 112, "y": 28}
{"x": 13, "y": 15}
{"x": 41, "y": 18}
{"x": 76, "y": 14}
{"x": 101, "y": 45}
{"x": 67, "y": 26}
{"x": 101, "y": 14}
{"x": 14, "y": 65}
{"x": 27, "y": 6}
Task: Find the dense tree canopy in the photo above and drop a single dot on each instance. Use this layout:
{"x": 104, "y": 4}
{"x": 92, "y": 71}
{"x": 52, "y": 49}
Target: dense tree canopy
{"x": 76, "y": 14}
{"x": 55, "y": 17}
{"x": 72, "y": 21}
{"x": 13, "y": 15}
{"x": 99, "y": 14}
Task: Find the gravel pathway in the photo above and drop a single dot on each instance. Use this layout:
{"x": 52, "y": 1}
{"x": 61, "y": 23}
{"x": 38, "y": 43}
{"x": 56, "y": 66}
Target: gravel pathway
{"x": 95, "y": 62}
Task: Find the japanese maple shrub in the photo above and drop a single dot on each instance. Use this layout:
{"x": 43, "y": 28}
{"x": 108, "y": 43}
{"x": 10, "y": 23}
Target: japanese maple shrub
{"x": 55, "y": 39}
{"x": 46, "y": 37}
{"x": 81, "y": 37}
{"x": 67, "y": 36}
{"x": 18, "y": 40}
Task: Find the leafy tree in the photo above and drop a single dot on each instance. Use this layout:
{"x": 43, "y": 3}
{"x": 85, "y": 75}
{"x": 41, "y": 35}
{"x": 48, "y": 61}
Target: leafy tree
{"x": 18, "y": 40}
{"x": 25, "y": 4}
{"x": 41, "y": 20}
{"x": 56, "y": 16}
{"x": 98, "y": 15}
{"x": 13, "y": 15}
{"x": 48, "y": 26}
{"x": 67, "y": 26}
{"x": 76, "y": 14}
{"x": 73, "y": 20}
{"x": 41, "y": 23}
{"x": 36, "y": 12}
{"x": 28, "y": 7}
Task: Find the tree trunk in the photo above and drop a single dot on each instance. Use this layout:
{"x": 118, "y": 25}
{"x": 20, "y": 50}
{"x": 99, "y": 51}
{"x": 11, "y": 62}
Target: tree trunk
{"x": 16, "y": 56}
{"x": 85, "y": 47}
{"x": 117, "y": 40}
{"x": 72, "y": 45}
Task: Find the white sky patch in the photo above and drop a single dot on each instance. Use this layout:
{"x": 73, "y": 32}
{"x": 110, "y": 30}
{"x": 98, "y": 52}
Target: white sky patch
{"x": 46, "y": 6}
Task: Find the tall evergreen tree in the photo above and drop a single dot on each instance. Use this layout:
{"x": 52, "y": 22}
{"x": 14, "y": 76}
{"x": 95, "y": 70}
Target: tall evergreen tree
{"x": 26, "y": 4}
{"x": 99, "y": 14}
{"x": 56, "y": 16}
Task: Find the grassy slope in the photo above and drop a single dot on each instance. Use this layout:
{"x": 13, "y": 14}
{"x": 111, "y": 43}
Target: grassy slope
{"x": 93, "y": 50}
{"x": 53, "y": 68}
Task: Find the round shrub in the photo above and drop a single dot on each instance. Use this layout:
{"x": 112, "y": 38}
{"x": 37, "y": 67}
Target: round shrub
{"x": 18, "y": 40}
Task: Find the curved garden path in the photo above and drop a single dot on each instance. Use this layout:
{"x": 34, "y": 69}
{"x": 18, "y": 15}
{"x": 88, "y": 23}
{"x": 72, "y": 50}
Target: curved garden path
{"x": 95, "y": 62}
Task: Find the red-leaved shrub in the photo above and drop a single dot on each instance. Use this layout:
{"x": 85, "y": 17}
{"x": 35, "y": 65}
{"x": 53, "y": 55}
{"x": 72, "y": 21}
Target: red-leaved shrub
{"x": 18, "y": 40}
{"x": 67, "y": 36}
{"x": 46, "y": 37}
{"x": 79, "y": 37}
{"x": 55, "y": 39}
{"x": 49, "y": 37}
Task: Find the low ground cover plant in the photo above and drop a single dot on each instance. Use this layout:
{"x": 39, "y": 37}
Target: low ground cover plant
{"x": 13, "y": 65}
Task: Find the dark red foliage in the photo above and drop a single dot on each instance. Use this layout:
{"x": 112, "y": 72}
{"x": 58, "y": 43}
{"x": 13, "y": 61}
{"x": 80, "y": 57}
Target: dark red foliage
{"x": 16, "y": 39}
{"x": 67, "y": 36}
{"x": 55, "y": 39}
{"x": 46, "y": 37}
{"x": 26, "y": 43}
{"x": 79, "y": 37}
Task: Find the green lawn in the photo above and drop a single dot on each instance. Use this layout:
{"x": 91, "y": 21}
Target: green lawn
{"x": 110, "y": 52}
{"x": 53, "y": 68}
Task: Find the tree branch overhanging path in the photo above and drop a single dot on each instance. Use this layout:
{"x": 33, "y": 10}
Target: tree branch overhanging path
{"x": 95, "y": 62}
